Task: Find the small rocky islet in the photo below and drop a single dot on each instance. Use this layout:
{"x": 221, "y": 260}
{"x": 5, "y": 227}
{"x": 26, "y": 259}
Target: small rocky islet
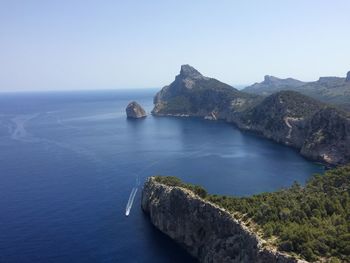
{"x": 135, "y": 111}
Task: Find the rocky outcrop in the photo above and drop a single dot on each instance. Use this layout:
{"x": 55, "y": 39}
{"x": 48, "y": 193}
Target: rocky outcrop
{"x": 193, "y": 94}
{"x": 135, "y": 111}
{"x": 328, "y": 137}
{"x": 287, "y": 117}
{"x": 206, "y": 231}
{"x": 320, "y": 132}
{"x": 281, "y": 117}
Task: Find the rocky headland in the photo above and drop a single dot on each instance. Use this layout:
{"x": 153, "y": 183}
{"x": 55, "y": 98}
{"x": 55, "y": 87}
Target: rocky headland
{"x": 207, "y": 231}
{"x": 135, "y": 111}
{"x": 319, "y": 131}
{"x": 292, "y": 224}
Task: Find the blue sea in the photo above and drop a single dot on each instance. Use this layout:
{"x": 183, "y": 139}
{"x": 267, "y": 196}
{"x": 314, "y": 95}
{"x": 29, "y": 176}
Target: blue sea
{"x": 69, "y": 162}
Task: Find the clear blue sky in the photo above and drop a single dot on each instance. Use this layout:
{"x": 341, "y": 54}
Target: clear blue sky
{"x": 86, "y": 44}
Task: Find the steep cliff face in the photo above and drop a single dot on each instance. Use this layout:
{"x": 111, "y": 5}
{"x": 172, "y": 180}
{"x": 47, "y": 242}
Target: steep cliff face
{"x": 328, "y": 137}
{"x": 286, "y": 117}
{"x": 282, "y": 117}
{"x": 207, "y": 232}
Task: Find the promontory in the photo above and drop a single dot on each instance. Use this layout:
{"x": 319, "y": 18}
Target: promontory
{"x": 291, "y": 225}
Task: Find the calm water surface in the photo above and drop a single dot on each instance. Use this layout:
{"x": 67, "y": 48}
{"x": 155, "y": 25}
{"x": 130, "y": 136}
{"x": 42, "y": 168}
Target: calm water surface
{"x": 69, "y": 161}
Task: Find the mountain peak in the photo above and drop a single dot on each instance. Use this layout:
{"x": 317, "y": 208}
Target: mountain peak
{"x": 189, "y": 71}
{"x": 269, "y": 79}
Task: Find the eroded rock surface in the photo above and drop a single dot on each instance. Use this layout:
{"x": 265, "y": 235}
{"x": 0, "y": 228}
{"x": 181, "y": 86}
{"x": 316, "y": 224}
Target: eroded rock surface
{"x": 135, "y": 111}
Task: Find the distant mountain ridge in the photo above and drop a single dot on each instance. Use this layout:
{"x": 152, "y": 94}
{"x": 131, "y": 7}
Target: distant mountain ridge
{"x": 333, "y": 90}
{"x": 319, "y": 131}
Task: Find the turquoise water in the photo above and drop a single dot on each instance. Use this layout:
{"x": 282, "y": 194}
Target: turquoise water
{"x": 69, "y": 162}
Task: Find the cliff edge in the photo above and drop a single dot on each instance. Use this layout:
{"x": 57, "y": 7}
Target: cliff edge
{"x": 208, "y": 232}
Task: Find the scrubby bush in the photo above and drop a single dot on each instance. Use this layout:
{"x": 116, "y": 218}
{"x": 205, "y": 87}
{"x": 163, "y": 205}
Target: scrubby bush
{"x": 313, "y": 221}
{"x": 174, "y": 181}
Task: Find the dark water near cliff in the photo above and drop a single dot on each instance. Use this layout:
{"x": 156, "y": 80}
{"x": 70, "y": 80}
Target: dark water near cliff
{"x": 68, "y": 162}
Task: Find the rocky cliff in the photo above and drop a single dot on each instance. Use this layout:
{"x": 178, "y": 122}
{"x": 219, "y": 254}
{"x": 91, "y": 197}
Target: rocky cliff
{"x": 282, "y": 117}
{"x": 208, "y": 232}
{"x": 286, "y": 117}
{"x": 192, "y": 94}
{"x": 328, "y": 137}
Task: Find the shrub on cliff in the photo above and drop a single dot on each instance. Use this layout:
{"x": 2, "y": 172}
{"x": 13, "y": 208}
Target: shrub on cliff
{"x": 313, "y": 221}
{"x": 174, "y": 181}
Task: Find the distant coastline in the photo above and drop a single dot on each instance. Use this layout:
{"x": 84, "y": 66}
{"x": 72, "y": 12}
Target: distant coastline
{"x": 319, "y": 131}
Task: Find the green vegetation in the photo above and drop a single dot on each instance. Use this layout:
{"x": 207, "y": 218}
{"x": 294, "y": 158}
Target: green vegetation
{"x": 174, "y": 181}
{"x": 178, "y": 104}
{"x": 311, "y": 221}
{"x": 204, "y": 95}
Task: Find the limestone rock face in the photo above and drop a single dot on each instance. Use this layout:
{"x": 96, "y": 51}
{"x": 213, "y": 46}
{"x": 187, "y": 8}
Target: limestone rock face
{"x": 192, "y": 94}
{"x": 281, "y": 117}
{"x": 135, "y": 111}
{"x": 190, "y": 72}
{"x": 328, "y": 137}
{"x": 206, "y": 231}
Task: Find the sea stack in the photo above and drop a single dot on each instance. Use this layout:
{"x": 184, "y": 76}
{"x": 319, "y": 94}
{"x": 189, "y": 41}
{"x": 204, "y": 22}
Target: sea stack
{"x": 348, "y": 77}
{"x": 135, "y": 111}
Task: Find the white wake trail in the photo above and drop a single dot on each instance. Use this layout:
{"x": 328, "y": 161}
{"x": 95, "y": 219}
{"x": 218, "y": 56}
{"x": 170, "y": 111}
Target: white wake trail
{"x": 135, "y": 188}
{"x": 130, "y": 201}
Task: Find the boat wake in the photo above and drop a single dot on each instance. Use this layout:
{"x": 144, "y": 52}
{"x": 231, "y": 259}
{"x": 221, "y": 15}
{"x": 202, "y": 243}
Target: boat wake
{"x": 130, "y": 201}
{"x": 135, "y": 188}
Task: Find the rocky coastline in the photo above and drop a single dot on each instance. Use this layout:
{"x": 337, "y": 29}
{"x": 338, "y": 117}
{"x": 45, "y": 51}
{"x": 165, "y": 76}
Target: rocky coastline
{"x": 206, "y": 231}
{"x": 318, "y": 131}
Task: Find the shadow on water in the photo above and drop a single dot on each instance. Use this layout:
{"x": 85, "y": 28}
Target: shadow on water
{"x": 135, "y": 124}
{"x": 172, "y": 250}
